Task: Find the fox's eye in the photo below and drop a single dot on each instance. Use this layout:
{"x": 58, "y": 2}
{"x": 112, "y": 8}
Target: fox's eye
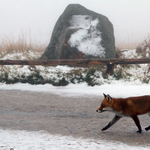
{"x": 103, "y": 105}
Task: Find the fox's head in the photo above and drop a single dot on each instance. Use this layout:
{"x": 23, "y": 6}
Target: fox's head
{"x": 105, "y": 105}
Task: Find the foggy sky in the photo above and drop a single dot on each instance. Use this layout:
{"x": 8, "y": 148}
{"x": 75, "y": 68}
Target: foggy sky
{"x": 36, "y": 18}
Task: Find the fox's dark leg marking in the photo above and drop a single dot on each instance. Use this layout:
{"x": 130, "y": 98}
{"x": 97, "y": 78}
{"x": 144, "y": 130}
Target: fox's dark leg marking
{"x": 137, "y": 122}
{"x": 148, "y": 128}
{"x": 114, "y": 120}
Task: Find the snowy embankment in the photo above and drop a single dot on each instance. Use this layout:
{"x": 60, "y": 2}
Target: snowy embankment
{"x": 64, "y": 75}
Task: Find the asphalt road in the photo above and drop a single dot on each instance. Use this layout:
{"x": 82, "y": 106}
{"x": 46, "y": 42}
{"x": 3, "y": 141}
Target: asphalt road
{"x": 66, "y": 115}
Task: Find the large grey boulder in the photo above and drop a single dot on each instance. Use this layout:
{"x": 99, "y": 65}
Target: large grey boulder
{"x": 81, "y": 34}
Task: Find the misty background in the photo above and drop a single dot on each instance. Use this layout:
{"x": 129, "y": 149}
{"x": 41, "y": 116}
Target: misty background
{"x": 35, "y": 19}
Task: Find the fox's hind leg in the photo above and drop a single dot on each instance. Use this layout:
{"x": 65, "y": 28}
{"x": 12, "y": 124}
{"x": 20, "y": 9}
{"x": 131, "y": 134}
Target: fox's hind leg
{"x": 137, "y": 122}
{"x": 114, "y": 120}
{"x": 148, "y": 128}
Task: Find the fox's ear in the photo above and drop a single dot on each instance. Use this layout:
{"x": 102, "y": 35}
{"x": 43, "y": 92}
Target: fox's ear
{"x": 104, "y": 95}
{"x": 108, "y": 98}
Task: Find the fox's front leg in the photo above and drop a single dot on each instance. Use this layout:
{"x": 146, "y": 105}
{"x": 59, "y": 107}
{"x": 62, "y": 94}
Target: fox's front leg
{"x": 114, "y": 120}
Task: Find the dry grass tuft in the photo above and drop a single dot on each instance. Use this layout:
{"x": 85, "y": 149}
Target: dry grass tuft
{"x": 144, "y": 48}
{"x": 21, "y": 44}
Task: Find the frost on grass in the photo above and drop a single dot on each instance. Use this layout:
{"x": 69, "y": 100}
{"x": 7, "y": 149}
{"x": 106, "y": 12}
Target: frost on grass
{"x": 20, "y": 55}
{"x": 87, "y": 38}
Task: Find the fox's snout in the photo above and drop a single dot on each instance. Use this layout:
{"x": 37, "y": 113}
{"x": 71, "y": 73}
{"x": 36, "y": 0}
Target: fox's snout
{"x": 99, "y": 110}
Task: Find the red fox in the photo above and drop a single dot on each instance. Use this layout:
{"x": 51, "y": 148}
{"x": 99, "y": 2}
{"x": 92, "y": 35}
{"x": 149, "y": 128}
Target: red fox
{"x": 131, "y": 107}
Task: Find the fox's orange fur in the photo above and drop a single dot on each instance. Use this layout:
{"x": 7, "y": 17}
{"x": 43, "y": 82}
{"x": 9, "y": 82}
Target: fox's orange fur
{"x": 131, "y": 107}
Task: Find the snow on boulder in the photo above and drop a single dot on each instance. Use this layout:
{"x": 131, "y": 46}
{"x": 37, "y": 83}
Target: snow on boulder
{"x": 81, "y": 34}
{"x": 87, "y": 39}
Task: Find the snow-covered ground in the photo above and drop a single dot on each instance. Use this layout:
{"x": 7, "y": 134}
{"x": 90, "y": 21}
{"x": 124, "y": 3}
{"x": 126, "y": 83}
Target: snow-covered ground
{"x": 24, "y": 140}
{"x": 115, "y": 89}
